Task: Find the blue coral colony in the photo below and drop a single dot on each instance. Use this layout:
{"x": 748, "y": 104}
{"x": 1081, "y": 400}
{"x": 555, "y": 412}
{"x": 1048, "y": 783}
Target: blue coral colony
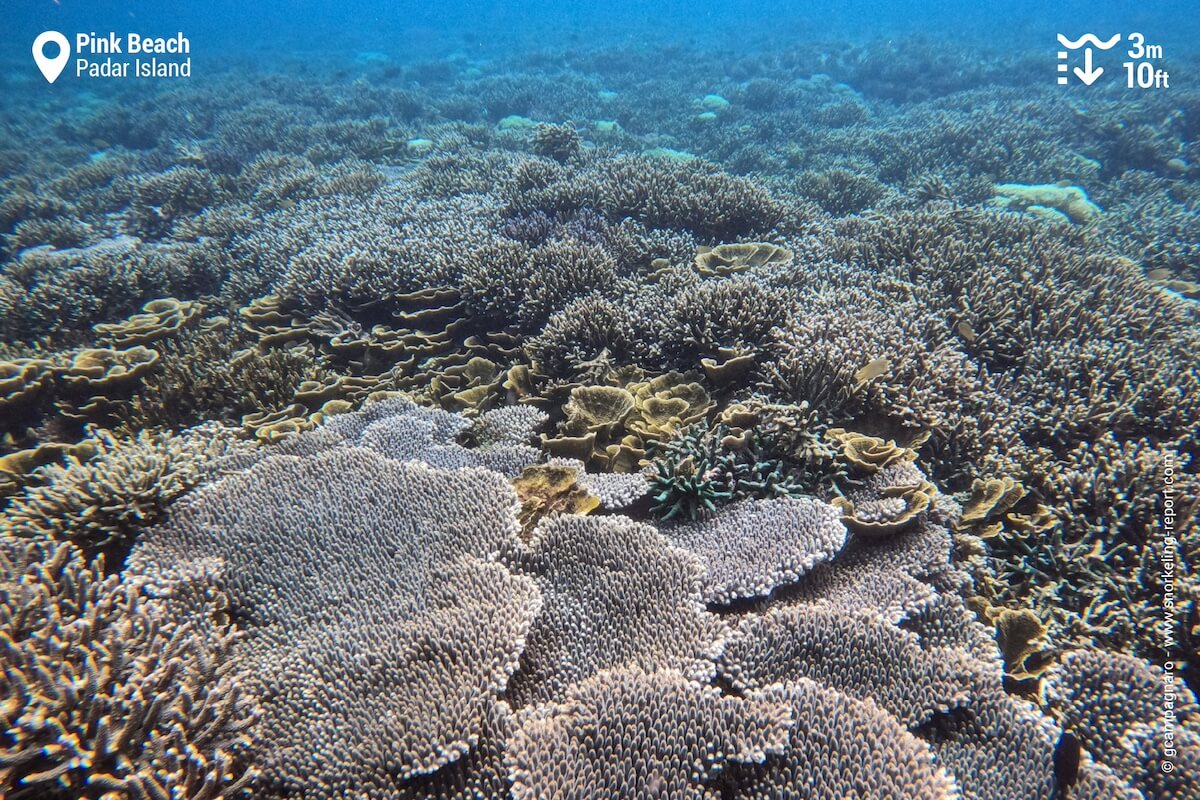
{"x": 594, "y": 420}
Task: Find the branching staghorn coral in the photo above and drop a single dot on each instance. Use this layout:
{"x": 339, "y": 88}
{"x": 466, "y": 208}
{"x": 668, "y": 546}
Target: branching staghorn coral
{"x": 1090, "y": 562}
{"x": 560, "y": 142}
{"x": 113, "y": 687}
{"x": 54, "y": 291}
{"x": 123, "y": 487}
{"x": 209, "y": 375}
{"x": 738, "y": 312}
{"x": 658, "y": 192}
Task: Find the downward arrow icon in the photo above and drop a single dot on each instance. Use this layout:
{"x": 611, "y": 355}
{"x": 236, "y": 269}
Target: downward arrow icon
{"x": 1087, "y": 74}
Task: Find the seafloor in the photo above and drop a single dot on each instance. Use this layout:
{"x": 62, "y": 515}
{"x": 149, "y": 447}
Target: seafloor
{"x": 613, "y": 422}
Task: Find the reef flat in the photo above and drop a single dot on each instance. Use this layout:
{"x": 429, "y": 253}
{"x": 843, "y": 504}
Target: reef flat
{"x": 597, "y": 423}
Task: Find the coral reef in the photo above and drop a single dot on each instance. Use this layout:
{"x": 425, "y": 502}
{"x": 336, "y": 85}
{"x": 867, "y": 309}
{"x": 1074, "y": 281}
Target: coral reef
{"x": 439, "y": 647}
{"x": 606, "y": 418}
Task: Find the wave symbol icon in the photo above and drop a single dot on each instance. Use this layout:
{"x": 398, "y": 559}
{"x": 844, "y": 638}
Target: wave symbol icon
{"x": 1088, "y": 38}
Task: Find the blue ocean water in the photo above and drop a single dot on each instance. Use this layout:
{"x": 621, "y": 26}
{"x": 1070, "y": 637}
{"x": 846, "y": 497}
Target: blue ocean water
{"x": 407, "y": 31}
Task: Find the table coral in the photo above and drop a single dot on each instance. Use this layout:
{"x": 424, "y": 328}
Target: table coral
{"x": 397, "y": 593}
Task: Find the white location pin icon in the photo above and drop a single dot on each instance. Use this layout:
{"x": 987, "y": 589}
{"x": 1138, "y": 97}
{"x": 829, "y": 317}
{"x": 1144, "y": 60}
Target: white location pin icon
{"x": 51, "y": 67}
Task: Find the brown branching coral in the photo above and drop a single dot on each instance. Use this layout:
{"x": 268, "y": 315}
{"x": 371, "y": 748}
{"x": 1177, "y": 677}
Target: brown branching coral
{"x": 399, "y": 245}
{"x": 840, "y": 191}
{"x": 122, "y": 487}
{"x": 1090, "y": 561}
{"x": 560, "y": 142}
{"x": 585, "y": 331}
{"x": 110, "y": 689}
{"x": 659, "y": 193}
{"x": 737, "y": 312}
{"x": 824, "y": 358}
{"x": 61, "y": 290}
{"x": 161, "y": 200}
{"x": 559, "y": 272}
{"x": 209, "y": 374}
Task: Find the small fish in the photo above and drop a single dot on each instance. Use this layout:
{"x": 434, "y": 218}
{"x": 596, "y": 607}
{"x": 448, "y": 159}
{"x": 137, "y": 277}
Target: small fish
{"x": 873, "y": 369}
{"x": 1066, "y": 764}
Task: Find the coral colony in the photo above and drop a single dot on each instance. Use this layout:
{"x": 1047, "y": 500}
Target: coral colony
{"x": 463, "y": 430}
